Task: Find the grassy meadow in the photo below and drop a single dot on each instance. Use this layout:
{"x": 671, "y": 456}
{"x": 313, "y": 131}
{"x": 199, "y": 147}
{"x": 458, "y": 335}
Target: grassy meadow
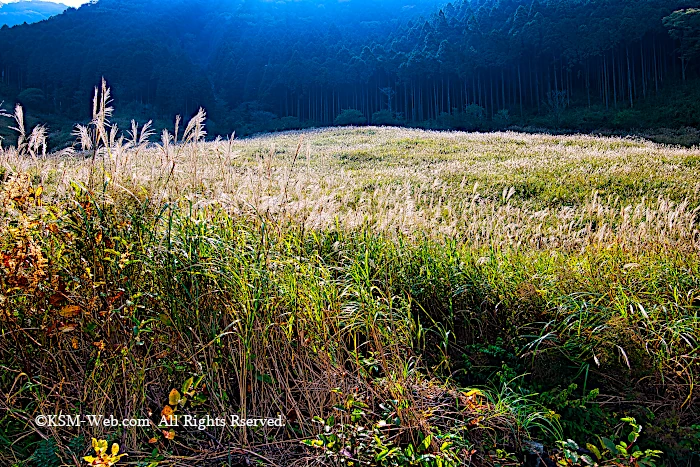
{"x": 400, "y": 297}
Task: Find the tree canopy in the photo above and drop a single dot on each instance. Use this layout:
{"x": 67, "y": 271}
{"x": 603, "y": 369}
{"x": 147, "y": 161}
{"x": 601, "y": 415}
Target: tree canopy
{"x": 306, "y": 62}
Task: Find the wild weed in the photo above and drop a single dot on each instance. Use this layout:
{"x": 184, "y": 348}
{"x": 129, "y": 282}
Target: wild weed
{"x": 389, "y": 267}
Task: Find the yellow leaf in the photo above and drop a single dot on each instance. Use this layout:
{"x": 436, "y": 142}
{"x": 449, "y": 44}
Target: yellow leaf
{"x": 187, "y": 385}
{"x": 100, "y": 447}
{"x": 115, "y": 449}
{"x": 174, "y": 397}
{"x": 169, "y": 434}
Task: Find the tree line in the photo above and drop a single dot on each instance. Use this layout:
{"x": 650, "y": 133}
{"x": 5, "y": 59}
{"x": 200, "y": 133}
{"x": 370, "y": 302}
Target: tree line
{"x": 267, "y": 65}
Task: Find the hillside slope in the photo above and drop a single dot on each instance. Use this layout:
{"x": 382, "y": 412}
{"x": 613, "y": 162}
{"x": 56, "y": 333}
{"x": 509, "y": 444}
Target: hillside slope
{"x": 357, "y": 282}
{"x": 262, "y": 66}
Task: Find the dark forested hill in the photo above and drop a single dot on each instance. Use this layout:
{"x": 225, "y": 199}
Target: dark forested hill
{"x": 259, "y": 65}
{"x": 28, "y": 11}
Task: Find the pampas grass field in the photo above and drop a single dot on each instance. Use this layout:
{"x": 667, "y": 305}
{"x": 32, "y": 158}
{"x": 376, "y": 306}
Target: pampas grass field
{"x": 398, "y": 296}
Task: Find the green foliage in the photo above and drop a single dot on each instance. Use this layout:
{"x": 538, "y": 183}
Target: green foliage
{"x": 46, "y": 454}
{"x": 384, "y": 117}
{"x": 628, "y": 118}
{"x": 290, "y": 123}
{"x": 557, "y": 102}
{"x": 350, "y": 117}
{"x": 502, "y": 118}
{"x": 484, "y": 362}
{"x": 684, "y": 26}
{"x": 118, "y": 275}
{"x": 170, "y": 58}
{"x": 692, "y": 440}
{"x": 375, "y": 441}
{"x": 623, "y": 452}
{"x": 580, "y": 416}
{"x": 473, "y": 114}
{"x": 32, "y": 98}
{"x": 471, "y": 118}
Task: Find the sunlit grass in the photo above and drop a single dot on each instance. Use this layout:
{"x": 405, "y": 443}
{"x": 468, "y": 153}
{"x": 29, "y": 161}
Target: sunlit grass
{"x": 292, "y": 271}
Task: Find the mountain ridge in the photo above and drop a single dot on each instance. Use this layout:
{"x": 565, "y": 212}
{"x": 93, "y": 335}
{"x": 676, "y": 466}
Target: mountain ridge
{"x": 28, "y": 11}
{"x": 264, "y": 66}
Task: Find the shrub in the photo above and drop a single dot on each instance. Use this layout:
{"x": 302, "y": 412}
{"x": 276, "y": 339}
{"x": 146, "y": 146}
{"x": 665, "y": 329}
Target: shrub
{"x": 263, "y": 120}
{"x": 628, "y": 118}
{"x": 384, "y": 117}
{"x": 32, "y": 97}
{"x": 350, "y": 117}
{"x": 502, "y": 118}
{"x": 290, "y": 123}
{"x": 475, "y": 113}
{"x": 624, "y": 452}
{"x": 470, "y": 119}
{"x": 557, "y": 102}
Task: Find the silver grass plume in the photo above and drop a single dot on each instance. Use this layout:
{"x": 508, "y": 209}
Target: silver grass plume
{"x": 194, "y": 131}
{"x": 101, "y": 113}
{"x": 19, "y": 128}
{"x": 37, "y": 141}
{"x": 83, "y": 136}
{"x": 140, "y": 138}
{"x": 166, "y": 138}
{"x": 113, "y": 135}
{"x": 229, "y": 145}
{"x": 178, "y": 119}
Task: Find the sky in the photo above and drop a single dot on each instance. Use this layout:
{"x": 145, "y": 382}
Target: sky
{"x": 73, "y": 3}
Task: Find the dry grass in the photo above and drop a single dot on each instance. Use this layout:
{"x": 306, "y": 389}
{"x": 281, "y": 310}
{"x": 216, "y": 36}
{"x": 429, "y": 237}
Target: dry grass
{"x": 317, "y": 260}
{"x": 496, "y": 190}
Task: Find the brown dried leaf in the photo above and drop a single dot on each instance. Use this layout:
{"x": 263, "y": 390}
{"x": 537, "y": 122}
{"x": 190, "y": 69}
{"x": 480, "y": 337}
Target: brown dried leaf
{"x": 56, "y": 299}
{"x": 167, "y": 412}
{"x": 116, "y": 297}
{"x": 70, "y": 311}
